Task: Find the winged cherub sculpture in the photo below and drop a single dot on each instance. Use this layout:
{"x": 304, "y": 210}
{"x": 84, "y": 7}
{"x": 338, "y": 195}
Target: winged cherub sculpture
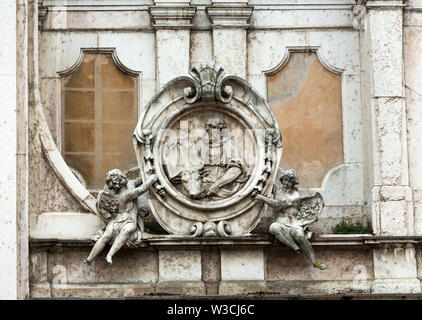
{"x": 117, "y": 205}
{"x": 293, "y": 215}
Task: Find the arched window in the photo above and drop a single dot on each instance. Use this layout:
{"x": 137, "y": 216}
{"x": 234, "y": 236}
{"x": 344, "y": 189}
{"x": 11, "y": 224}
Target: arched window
{"x": 99, "y": 115}
{"x": 306, "y": 98}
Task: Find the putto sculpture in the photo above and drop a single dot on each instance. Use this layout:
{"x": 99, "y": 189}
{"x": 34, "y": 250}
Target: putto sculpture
{"x": 293, "y": 215}
{"x": 117, "y": 205}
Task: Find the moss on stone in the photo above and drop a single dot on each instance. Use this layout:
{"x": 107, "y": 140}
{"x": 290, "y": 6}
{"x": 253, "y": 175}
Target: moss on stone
{"x": 344, "y": 227}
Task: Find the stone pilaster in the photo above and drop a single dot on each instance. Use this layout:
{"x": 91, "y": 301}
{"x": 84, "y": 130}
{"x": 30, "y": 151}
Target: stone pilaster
{"x": 230, "y": 19}
{"x": 42, "y": 12}
{"x": 412, "y": 42}
{"x": 180, "y": 272}
{"x": 242, "y": 271}
{"x": 395, "y": 270}
{"x": 211, "y": 269}
{"x": 391, "y": 199}
{"x": 24, "y": 25}
{"x": 13, "y": 147}
{"x": 172, "y": 22}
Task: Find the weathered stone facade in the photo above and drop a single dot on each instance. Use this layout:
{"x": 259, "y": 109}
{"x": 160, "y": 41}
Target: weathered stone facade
{"x": 352, "y": 68}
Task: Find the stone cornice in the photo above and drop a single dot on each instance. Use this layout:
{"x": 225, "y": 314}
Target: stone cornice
{"x": 229, "y": 16}
{"x": 168, "y": 17}
{"x": 258, "y": 240}
{"x": 382, "y": 4}
{"x": 42, "y": 12}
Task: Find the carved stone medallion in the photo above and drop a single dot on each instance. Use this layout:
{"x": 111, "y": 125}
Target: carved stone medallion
{"x": 213, "y": 143}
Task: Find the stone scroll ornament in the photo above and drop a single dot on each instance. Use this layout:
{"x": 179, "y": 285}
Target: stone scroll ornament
{"x": 214, "y": 144}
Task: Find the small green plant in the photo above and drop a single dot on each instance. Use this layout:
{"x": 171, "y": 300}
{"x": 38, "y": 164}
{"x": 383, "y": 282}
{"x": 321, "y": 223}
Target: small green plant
{"x": 344, "y": 227}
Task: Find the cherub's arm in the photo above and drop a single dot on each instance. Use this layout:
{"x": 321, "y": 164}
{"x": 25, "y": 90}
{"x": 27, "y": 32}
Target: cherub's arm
{"x": 138, "y": 182}
{"x": 273, "y": 202}
{"x": 133, "y": 194}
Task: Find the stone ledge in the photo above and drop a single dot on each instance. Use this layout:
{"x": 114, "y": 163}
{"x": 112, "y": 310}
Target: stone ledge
{"x": 386, "y": 5}
{"x": 242, "y": 287}
{"x": 101, "y": 290}
{"x": 262, "y": 296}
{"x": 396, "y": 286}
{"x": 66, "y": 225}
{"x": 194, "y": 288}
{"x": 256, "y": 241}
{"x": 331, "y": 287}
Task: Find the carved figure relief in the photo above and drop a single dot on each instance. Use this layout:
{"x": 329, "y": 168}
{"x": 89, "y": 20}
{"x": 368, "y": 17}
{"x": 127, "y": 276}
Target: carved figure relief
{"x": 211, "y": 165}
{"x": 294, "y": 212}
{"x": 213, "y": 143}
{"x": 117, "y": 205}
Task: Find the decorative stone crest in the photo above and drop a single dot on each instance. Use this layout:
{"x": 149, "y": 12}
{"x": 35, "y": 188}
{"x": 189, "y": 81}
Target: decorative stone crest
{"x": 208, "y": 84}
{"x": 214, "y": 144}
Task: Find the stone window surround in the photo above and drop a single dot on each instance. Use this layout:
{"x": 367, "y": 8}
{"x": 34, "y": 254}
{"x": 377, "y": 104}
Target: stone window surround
{"x": 52, "y": 152}
{"x": 331, "y": 68}
{"x": 352, "y": 151}
{"x": 120, "y": 66}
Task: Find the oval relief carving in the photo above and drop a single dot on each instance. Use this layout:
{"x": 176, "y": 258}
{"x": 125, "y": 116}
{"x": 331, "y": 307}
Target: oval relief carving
{"x": 213, "y": 143}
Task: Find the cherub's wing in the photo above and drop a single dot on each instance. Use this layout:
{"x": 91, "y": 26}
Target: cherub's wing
{"x": 310, "y": 207}
{"x": 106, "y": 205}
